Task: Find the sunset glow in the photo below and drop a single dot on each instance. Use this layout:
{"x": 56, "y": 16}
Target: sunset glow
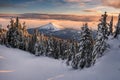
{"x": 6, "y": 71}
{"x": 88, "y": 10}
{"x": 59, "y": 39}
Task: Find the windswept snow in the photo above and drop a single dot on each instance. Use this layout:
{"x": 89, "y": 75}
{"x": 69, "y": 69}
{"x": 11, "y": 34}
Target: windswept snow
{"x": 20, "y": 65}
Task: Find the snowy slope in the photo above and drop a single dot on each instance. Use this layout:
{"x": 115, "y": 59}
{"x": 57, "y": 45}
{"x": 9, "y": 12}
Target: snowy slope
{"x": 19, "y": 65}
{"x": 51, "y": 26}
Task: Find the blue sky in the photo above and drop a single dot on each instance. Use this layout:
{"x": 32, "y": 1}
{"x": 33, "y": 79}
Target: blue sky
{"x": 60, "y": 6}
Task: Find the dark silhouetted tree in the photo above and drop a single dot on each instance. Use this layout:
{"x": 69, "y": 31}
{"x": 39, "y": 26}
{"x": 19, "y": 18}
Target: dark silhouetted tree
{"x": 117, "y": 31}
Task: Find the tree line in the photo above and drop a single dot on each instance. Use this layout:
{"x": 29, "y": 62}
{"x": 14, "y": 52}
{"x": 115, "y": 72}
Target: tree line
{"x": 79, "y": 54}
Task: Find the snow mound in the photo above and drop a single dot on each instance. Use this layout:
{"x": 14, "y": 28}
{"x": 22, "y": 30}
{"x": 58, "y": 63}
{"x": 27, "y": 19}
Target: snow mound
{"x": 51, "y": 26}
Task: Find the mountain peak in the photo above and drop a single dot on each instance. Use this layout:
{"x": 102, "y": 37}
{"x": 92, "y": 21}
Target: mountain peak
{"x": 51, "y": 26}
{"x": 51, "y": 23}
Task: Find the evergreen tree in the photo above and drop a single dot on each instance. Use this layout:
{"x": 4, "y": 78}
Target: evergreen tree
{"x": 56, "y": 49}
{"x": 35, "y": 43}
{"x": 50, "y": 46}
{"x": 100, "y": 43}
{"x": 111, "y": 26}
{"x": 45, "y": 47}
{"x": 104, "y": 25}
{"x": 117, "y": 31}
{"x": 42, "y": 47}
{"x": 61, "y": 50}
{"x": 71, "y": 52}
{"x": 84, "y": 57}
{"x": 14, "y": 34}
{"x": 2, "y": 35}
{"x": 25, "y": 37}
{"x": 65, "y": 49}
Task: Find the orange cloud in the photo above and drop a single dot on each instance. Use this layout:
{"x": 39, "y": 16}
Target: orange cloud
{"x": 90, "y": 10}
{"x": 67, "y": 21}
{"x": 112, "y": 3}
{"x": 93, "y": 11}
{"x": 81, "y": 18}
{"x": 72, "y": 0}
{"x": 6, "y": 71}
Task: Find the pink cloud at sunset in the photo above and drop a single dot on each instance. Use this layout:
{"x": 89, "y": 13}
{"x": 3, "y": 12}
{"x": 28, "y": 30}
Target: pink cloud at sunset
{"x": 75, "y": 24}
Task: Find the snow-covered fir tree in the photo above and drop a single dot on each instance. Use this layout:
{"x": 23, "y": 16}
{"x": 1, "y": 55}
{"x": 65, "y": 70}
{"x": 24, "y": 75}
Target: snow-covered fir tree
{"x": 58, "y": 49}
{"x": 42, "y": 47}
{"x": 17, "y": 35}
{"x": 25, "y": 37}
{"x": 45, "y": 47}
{"x": 104, "y": 25}
{"x": 65, "y": 49}
{"x": 14, "y": 34}
{"x": 2, "y": 35}
{"x": 35, "y": 43}
{"x": 61, "y": 51}
{"x": 9, "y": 34}
{"x": 117, "y": 31}
{"x": 40, "y": 44}
{"x": 84, "y": 57}
{"x": 71, "y": 52}
{"x": 111, "y": 26}
{"x": 50, "y": 46}
{"x": 100, "y": 43}
{"x": 56, "y": 53}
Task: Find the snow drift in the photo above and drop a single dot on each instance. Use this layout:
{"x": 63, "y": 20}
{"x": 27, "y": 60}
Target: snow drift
{"x": 16, "y": 64}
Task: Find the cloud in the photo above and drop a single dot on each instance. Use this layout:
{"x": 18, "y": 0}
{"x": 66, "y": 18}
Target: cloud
{"x": 52, "y": 16}
{"x": 29, "y": 3}
{"x": 84, "y": 3}
{"x": 72, "y": 1}
{"x": 62, "y": 17}
{"x": 17, "y": 4}
{"x": 5, "y": 5}
{"x": 69, "y": 21}
{"x": 112, "y": 3}
{"x": 10, "y": 5}
{"x": 90, "y": 10}
{"x": 77, "y": 1}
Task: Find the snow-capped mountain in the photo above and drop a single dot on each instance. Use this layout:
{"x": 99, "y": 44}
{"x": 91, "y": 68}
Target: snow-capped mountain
{"x": 58, "y": 31}
{"x": 51, "y": 27}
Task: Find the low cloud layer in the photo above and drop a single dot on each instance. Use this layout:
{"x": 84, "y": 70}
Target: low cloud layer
{"x": 90, "y": 10}
{"x": 52, "y": 16}
{"x": 81, "y": 18}
{"x": 67, "y": 21}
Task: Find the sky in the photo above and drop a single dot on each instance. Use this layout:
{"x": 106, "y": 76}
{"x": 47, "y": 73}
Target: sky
{"x": 67, "y": 7}
{"x": 60, "y": 6}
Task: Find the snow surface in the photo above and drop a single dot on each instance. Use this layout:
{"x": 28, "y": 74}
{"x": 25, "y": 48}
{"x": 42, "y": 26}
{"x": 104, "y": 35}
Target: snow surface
{"x": 51, "y": 26}
{"x": 16, "y": 64}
